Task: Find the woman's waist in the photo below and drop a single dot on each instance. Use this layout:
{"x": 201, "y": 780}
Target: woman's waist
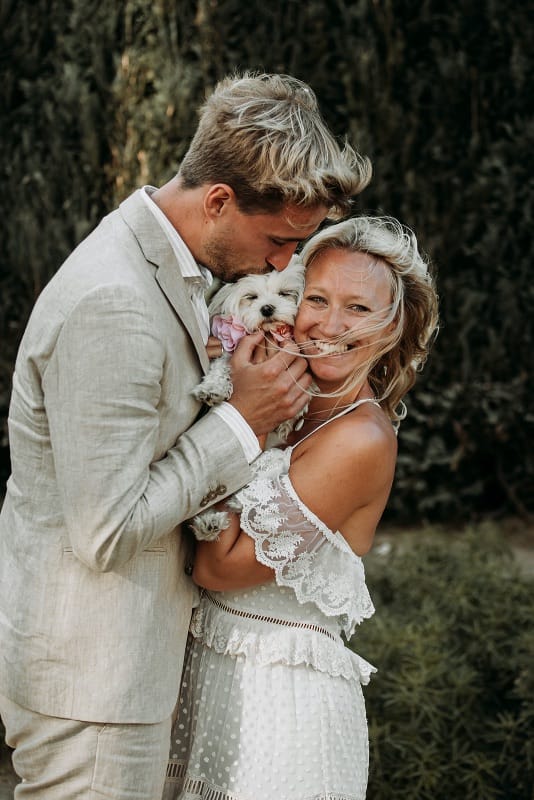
{"x": 277, "y": 610}
{"x": 266, "y": 638}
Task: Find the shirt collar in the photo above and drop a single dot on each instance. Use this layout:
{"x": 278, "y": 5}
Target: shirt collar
{"x": 189, "y": 269}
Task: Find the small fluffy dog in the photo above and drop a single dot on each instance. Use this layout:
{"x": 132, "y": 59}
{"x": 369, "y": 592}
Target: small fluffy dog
{"x": 266, "y": 302}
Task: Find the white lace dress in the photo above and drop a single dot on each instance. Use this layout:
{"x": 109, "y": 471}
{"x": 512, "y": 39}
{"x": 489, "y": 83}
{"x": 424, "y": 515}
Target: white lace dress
{"x": 271, "y": 705}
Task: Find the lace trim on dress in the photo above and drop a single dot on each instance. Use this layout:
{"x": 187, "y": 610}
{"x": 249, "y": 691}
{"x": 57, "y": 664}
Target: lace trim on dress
{"x": 305, "y": 555}
{"x": 192, "y": 788}
{"x": 265, "y": 642}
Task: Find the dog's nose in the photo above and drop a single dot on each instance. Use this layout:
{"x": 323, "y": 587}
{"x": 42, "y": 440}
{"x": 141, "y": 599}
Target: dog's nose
{"x": 267, "y": 311}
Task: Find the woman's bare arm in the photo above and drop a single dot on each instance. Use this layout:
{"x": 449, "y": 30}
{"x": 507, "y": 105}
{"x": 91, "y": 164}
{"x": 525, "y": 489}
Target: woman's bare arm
{"x": 230, "y": 561}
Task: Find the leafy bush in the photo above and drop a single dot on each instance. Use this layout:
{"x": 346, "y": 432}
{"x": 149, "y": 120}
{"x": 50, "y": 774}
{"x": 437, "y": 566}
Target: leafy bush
{"x": 56, "y": 67}
{"x": 451, "y": 708}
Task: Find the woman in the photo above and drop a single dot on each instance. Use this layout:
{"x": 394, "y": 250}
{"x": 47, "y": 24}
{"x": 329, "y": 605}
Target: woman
{"x": 271, "y": 704}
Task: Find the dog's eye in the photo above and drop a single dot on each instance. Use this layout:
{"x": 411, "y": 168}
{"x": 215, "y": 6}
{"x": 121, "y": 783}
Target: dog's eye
{"x": 293, "y": 295}
{"x": 250, "y": 297}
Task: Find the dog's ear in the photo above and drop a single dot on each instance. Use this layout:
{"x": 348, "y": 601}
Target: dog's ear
{"x": 219, "y": 298}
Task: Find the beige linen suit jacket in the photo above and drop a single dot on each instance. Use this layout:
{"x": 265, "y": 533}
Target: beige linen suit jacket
{"x": 108, "y": 458}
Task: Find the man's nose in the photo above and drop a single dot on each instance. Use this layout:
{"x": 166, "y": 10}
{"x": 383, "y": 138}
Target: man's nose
{"x": 282, "y": 257}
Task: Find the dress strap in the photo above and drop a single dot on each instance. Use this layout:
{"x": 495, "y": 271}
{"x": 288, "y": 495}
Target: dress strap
{"x": 339, "y": 414}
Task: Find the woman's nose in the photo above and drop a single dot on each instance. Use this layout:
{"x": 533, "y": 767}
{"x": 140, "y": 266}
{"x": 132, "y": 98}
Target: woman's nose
{"x": 331, "y": 323}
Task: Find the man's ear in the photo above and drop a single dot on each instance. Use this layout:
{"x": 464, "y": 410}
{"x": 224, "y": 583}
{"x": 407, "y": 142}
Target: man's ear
{"x": 218, "y": 199}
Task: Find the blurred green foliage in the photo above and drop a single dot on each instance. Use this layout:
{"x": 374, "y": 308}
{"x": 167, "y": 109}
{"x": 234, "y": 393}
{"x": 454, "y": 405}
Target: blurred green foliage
{"x": 100, "y": 97}
{"x": 451, "y": 708}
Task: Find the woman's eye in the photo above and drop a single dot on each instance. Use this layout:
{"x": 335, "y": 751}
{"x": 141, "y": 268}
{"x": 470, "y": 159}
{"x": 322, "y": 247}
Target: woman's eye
{"x": 359, "y": 309}
{"x": 313, "y": 298}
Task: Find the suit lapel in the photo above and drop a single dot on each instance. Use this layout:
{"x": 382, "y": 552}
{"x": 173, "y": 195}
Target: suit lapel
{"x": 175, "y": 290}
{"x": 158, "y": 251}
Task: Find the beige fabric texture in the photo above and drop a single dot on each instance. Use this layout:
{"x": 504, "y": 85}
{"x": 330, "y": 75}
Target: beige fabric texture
{"x": 63, "y": 759}
{"x": 109, "y": 457}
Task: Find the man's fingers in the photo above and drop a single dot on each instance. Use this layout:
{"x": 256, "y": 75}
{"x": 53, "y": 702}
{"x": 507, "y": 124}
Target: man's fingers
{"x": 297, "y": 386}
{"x": 255, "y": 349}
{"x": 214, "y": 347}
{"x": 244, "y": 351}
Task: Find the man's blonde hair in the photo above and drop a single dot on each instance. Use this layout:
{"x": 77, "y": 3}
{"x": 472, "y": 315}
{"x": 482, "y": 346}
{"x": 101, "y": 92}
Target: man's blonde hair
{"x": 263, "y": 135}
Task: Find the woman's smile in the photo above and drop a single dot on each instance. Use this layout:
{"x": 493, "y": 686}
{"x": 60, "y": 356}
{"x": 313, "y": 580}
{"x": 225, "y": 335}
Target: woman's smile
{"x": 330, "y": 348}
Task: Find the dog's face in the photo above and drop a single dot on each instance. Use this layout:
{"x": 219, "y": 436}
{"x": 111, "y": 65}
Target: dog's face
{"x": 262, "y": 301}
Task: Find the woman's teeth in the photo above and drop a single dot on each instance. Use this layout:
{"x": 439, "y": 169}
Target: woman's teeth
{"x": 331, "y": 349}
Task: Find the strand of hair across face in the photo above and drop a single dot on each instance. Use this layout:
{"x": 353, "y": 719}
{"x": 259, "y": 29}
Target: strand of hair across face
{"x": 312, "y": 391}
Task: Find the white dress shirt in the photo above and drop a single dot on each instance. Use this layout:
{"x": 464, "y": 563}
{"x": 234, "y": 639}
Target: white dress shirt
{"x": 198, "y": 279}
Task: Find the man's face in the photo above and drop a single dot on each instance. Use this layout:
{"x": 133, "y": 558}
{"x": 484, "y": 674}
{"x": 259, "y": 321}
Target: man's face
{"x": 236, "y": 244}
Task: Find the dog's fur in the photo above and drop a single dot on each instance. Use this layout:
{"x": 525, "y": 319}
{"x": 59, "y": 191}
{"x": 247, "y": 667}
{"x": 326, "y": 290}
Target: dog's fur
{"x": 266, "y": 302}
{"x": 259, "y": 302}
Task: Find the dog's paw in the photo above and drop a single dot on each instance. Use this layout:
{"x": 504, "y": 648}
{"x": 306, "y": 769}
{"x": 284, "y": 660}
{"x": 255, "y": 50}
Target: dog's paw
{"x": 283, "y": 430}
{"x": 208, "y": 525}
{"x": 216, "y": 386}
{"x": 206, "y": 394}
{"x": 280, "y": 433}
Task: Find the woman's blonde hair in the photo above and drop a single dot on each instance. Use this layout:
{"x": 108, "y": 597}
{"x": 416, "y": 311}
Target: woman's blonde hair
{"x": 263, "y": 135}
{"x": 409, "y": 324}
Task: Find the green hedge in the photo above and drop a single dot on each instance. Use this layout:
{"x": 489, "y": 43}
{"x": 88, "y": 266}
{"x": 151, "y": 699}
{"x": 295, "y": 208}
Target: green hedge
{"x": 57, "y": 64}
{"x": 101, "y": 97}
{"x": 451, "y": 708}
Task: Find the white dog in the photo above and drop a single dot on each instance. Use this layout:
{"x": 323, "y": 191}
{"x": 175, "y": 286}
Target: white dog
{"x": 266, "y": 302}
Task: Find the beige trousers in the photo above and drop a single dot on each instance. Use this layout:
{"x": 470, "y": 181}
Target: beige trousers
{"x": 63, "y": 759}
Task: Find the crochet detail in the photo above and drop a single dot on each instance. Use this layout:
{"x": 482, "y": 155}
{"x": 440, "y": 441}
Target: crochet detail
{"x": 268, "y": 640}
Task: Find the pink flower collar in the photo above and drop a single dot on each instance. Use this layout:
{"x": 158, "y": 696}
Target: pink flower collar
{"x": 230, "y": 330}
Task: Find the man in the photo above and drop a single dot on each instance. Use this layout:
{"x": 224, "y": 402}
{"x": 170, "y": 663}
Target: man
{"x": 110, "y": 454}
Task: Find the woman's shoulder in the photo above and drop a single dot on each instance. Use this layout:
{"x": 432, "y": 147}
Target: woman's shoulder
{"x": 366, "y": 430}
{"x": 345, "y": 473}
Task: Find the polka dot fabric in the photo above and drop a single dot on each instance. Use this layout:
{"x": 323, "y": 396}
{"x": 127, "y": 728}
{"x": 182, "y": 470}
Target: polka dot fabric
{"x": 264, "y": 731}
{"x": 271, "y": 704}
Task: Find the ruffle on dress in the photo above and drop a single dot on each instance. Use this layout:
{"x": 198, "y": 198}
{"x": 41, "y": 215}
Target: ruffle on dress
{"x": 306, "y": 556}
{"x": 266, "y": 641}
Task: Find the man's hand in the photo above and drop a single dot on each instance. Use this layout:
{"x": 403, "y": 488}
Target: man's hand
{"x": 268, "y": 389}
{"x": 214, "y": 348}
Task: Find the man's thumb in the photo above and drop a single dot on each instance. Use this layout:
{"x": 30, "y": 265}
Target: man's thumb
{"x": 246, "y": 346}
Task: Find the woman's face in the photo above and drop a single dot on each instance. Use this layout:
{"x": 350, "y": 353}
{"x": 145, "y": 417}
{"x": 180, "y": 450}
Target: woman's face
{"x": 342, "y": 290}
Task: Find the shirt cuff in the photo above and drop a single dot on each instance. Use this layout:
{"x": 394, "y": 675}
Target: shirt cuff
{"x": 241, "y": 428}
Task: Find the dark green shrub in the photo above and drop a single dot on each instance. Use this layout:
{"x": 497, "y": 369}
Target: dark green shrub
{"x": 451, "y": 708}
{"x": 57, "y": 62}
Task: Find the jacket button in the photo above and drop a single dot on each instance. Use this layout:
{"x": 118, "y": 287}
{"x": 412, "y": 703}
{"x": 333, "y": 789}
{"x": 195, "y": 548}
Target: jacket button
{"x": 213, "y": 494}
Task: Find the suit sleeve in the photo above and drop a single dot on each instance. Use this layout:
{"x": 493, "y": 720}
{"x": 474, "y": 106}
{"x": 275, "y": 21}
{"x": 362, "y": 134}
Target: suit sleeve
{"x": 102, "y": 387}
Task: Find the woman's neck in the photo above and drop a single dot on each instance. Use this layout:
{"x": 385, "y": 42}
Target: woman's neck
{"x": 321, "y": 409}
{"x": 327, "y": 407}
